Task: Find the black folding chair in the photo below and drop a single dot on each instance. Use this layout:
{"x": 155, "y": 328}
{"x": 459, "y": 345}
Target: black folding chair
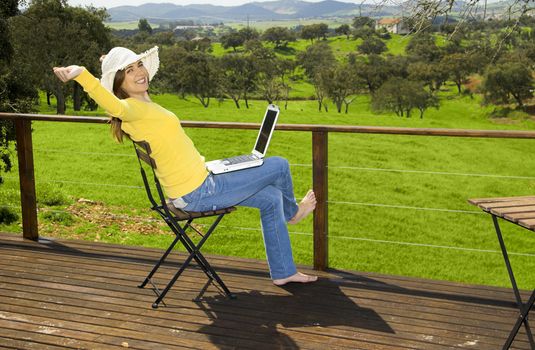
{"x": 175, "y": 219}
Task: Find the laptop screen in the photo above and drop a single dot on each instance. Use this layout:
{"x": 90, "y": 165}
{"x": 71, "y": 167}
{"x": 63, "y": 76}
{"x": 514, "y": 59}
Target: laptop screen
{"x": 265, "y": 132}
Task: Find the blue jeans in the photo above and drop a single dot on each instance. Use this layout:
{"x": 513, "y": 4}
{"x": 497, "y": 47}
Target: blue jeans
{"x": 269, "y": 188}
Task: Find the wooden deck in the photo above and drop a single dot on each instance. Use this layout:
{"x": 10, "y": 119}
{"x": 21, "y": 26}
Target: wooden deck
{"x": 74, "y": 294}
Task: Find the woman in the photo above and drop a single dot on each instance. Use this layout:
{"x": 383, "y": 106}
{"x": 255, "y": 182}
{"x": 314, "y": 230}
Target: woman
{"x": 123, "y": 93}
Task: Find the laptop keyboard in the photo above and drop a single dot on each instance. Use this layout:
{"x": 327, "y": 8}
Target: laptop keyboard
{"x": 240, "y": 159}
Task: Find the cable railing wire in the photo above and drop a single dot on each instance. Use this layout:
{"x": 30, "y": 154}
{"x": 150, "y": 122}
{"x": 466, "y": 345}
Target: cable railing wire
{"x": 428, "y": 172}
{"x": 332, "y": 236}
{"x": 382, "y": 205}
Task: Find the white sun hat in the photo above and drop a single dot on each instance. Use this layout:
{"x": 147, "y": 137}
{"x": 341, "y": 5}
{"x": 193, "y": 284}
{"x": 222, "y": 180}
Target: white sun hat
{"x": 119, "y": 58}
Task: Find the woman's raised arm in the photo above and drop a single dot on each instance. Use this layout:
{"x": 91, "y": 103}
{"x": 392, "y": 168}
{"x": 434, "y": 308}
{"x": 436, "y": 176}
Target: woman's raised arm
{"x": 67, "y": 73}
{"x": 113, "y": 105}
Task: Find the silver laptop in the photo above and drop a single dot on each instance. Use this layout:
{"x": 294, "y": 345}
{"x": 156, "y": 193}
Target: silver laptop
{"x": 259, "y": 151}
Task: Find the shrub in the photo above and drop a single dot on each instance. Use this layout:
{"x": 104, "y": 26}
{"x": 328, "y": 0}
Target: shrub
{"x": 7, "y": 216}
{"x": 59, "y": 217}
{"x": 51, "y": 196}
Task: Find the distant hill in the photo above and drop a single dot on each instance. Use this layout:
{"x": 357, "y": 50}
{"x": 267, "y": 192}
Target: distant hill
{"x": 265, "y": 11}
{"x": 271, "y": 10}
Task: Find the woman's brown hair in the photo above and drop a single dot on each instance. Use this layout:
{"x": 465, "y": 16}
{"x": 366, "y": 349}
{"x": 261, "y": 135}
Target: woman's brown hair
{"x": 116, "y": 131}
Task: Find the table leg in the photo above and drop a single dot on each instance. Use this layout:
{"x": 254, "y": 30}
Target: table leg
{"x": 523, "y": 317}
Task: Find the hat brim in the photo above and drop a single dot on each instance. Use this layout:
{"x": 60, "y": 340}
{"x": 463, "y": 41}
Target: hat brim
{"x": 151, "y": 62}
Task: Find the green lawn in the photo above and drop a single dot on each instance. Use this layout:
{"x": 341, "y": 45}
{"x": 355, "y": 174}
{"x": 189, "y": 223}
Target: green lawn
{"x": 340, "y": 45}
{"x": 263, "y": 25}
{"x": 397, "y": 204}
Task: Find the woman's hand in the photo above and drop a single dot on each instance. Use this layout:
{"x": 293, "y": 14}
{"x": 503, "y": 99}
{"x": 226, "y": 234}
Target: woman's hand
{"x": 67, "y": 73}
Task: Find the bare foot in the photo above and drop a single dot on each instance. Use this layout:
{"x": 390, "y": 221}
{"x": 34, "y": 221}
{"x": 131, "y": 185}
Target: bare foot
{"x": 306, "y": 206}
{"x": 298, "y": 278}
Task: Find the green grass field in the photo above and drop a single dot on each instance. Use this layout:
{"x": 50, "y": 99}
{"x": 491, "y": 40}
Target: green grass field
{"x": 263, "y": 25}
{"x": 397, "y": 204}
{"x": 260, "y": 25}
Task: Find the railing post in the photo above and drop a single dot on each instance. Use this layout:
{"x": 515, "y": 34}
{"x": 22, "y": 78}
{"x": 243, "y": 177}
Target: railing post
{"x": 23, "y": 129}
{"x": 320, "y": 184}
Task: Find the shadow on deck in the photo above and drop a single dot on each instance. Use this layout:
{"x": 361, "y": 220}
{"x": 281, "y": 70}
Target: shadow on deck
{"x": 76, "y": 294}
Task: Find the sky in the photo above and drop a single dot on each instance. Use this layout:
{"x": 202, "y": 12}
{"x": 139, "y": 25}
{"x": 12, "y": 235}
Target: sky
{"x": 115, "y": 3}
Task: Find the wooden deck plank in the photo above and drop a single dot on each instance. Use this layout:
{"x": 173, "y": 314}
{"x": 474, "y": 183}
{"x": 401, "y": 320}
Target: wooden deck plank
{"x": 465, "y": 310}
{"x": 58, "y": 302}
{"x": 117, "y": 273}
{"x": 242, "y": 264}
{"x": 84, "y": 294}
{"x": 239, "y": 322}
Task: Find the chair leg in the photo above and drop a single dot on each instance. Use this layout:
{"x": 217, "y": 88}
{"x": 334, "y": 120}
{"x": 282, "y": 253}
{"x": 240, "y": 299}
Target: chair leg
{"x": 203, "y": 263}
{"x": 157, "y": 266}
{"x": 212, "y": 275}
{"x": 172, "y": 281}
{"x": 194, "y": 254}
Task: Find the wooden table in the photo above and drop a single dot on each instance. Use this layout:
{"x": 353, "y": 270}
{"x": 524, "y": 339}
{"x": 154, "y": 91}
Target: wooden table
{"x": 519, "y": 211}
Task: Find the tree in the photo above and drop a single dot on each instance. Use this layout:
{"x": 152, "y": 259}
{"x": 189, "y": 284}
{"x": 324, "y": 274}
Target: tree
{"x": 321, "y": 30}
{"x": 59, "y": 34}
{"x": 249, "y": 72}
{"x": 372, "y": 45}
{"x": 364, "y": 33}
{"x": 233, "y": 39}
{"x": 268, "y": 77}
{"x": 249, "y": 33}
{"x": 344, "y": 29}
{"x": 238, "y": 38}
{"x": 432, "y": 75}
{"x": 508, "y": 81}
{"x": 88, "y": 25}
{"x": 17, "y": 93}
{"x": 342, "y": 84}
{"x": 397, "y": 66}
{"x": 314, "y": 31}
{"x": 189, "y": 72}
{"x": 307, "y": 33}
{"x": 197, "y": 44}
{"x": 233, "y": 75}
{"x": 424, "y": 12}
{"x": 280, "y": 36}
{"x": 320, "y": 80}
{"x": 459, "y": 66}
{"x": 163, "y": 38}
{"x": 315, "y": 56}
{"x": 144, "y": 26}
{"x": 314, "y": 60}
{"x": 401, "y": 96}
{"x": 363, "y": 21}
{"x": 422, "y": 46}
{"x": 374, "y": 72}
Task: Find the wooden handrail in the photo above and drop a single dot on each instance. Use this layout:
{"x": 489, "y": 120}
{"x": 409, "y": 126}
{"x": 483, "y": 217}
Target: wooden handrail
{"x": 516, "y": 134}
{"x": 319, "y": 160}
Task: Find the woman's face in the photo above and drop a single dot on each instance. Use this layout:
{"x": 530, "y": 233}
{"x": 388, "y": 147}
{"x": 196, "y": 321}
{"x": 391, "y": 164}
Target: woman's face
{"x": 136, "y": 79}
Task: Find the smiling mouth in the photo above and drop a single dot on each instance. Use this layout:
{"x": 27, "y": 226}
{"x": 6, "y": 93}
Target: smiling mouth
{"x": 141, "y": 81}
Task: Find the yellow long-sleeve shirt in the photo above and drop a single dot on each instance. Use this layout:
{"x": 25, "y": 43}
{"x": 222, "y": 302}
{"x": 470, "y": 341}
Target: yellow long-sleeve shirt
{"x": 179, "y": 166}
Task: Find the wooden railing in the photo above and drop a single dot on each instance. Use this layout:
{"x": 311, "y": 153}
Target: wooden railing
{"x": 319, "y": 161}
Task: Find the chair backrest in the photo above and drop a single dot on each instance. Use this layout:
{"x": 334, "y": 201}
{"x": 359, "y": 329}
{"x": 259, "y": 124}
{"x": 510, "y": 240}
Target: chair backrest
{"x": 143, "y": 152}
{"x": 165, "y": 207}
